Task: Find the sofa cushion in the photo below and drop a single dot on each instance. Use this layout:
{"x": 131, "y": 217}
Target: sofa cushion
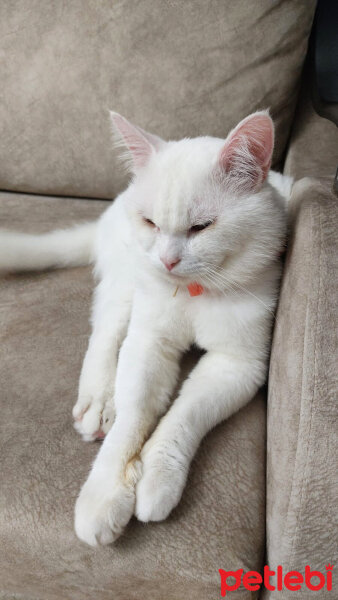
{"x": 175, "y": 68}
{"x": 220, "y": 522}
{"x": 302, "y": 504}
{"x": 313, "y": 147}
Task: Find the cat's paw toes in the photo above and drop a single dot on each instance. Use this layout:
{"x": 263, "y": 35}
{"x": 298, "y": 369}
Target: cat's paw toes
{"x": 93, "y": 418}
{"x": 102, "y": 514}
{"x": 159, "y": 490}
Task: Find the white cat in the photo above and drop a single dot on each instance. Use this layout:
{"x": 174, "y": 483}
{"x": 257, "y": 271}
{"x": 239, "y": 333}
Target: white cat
{"x": 189, "y": 253}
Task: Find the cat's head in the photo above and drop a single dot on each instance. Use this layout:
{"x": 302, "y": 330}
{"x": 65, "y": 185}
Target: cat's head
{"x": 199, "y": 206}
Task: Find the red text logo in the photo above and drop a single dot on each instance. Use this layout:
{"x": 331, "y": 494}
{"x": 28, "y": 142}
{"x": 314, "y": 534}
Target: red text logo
{"x": 276, "y": 580}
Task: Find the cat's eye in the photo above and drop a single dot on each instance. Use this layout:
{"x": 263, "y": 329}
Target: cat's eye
{"x": 200, "y": 226}
{"x": 149, "y": 222}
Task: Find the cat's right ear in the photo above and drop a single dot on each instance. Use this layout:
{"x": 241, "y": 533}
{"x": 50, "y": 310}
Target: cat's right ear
{"x": 247, "y": 152}
{"x": 139, "y": 144}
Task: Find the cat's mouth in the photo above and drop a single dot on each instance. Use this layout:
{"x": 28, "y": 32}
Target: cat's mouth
{"x": 183, "y": 278}
{"x": 181, "y": 275}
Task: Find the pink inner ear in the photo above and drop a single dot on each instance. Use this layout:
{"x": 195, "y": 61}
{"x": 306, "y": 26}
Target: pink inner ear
{"x": 248, "y": 150}
{"x": 140, "y": 148}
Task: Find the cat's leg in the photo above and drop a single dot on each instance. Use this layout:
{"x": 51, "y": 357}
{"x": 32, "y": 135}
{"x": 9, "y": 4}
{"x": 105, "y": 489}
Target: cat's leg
{"x": 146, "y": 375}
{"x": 94, "y": 411}
{"x": 217, "y": 387}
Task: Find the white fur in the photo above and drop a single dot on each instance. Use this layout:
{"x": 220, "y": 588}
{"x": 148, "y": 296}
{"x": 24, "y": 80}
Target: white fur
{"x": 141, "y": 327}
{"x": 282, "y": 183}
{"x": 60, "y": 248}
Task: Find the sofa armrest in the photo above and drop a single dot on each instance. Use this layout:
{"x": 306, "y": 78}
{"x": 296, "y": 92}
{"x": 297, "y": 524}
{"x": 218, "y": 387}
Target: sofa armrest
{"x": 302, "y": 409}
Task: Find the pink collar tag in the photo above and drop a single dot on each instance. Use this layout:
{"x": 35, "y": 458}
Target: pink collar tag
{"x": 195, "y": 289}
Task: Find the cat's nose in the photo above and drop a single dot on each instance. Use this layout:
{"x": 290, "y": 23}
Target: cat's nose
{"x": 170, "y": 264}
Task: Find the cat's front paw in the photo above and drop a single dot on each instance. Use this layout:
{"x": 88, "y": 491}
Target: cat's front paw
{"x": 103, "y": 509}
{"x": 93, "y": 416}
{"x": 161, "y": 485}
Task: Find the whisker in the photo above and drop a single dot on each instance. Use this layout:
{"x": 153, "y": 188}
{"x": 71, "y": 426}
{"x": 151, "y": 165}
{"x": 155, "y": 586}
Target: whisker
{"x": 218, "y": 278}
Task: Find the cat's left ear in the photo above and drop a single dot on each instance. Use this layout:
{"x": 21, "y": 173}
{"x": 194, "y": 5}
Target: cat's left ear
{"x": 247, "y": 152}
{"x": 139, "y": 144}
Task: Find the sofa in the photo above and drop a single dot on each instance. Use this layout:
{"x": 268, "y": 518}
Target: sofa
{"x": 263, "y": 486}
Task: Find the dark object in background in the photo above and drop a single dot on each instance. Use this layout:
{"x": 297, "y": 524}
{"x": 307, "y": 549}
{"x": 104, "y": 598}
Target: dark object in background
{"x": 324, "y": 63}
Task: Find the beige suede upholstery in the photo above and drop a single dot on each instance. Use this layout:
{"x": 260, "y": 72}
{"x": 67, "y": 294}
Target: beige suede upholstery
{"x": 313, "y": 147}
{"x": 302, "y": 463}
{"x": 175, "y": 68}
{"x": 302, "y": 410}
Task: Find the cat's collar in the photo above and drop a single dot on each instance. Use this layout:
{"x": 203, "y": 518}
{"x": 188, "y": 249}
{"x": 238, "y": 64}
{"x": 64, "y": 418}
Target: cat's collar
{"x": 194, "y": 289}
